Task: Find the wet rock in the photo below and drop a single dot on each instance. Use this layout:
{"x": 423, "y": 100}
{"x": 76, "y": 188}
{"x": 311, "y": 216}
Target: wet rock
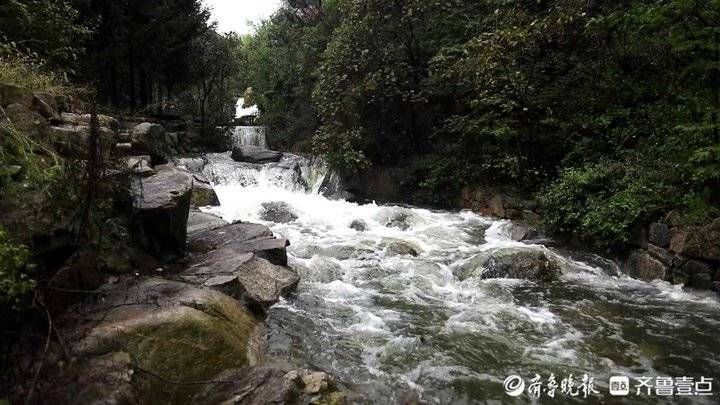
{"x": 170, "y": 329}
{"x": 163, "y": 204}
{"x": 343, "y": 252}
{"x": 400, "y": 218}
{"x": 254, "y": 154}
{"x": 256, "y": 281}
{"x": 704, "y": 242}
{"x": 359, "y": 225}
{"x": 241, "y": 238}
{"x": 520, "y": 231}
{"x": 497, "y": 206}
{"x": 643, "y": 266}
{"x": 200, "y": 221}
{"x": 203, "y": 194}
{"x": 321, "y": 269}
{"x": 659, "y": 234}
{"x": 397, "y": 247}
{"x": 277, "y": 211}
{"x": 511, "y": 263}
{"x": 263, "y": 283}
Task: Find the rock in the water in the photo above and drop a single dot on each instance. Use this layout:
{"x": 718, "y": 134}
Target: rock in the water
{"x": 242, "y": 238}
{"x": 401, "y": 218}
{"x": 659, "y": 234}
{"x": 661, "y": 254}
{"x": 704, "y": 242}
{"x": 397, "y": 247}
{"x": 151, "y": 139}
{"x": 511, "y": 263}
{"x": 359, "y": 225}
{"x": 256, "y": 281}
{"x": 643, "y": 266}
{"x": 520, "y": 231}
{"x": 174, "y": 330}
{"x": 321, "y": 269}
{"x": 163, "y": 204}
{"x": 277, "y": 211}
{"x": 254, "y": 154}
{"x": 200, "y": 221}
{"x": 263, "y": 283}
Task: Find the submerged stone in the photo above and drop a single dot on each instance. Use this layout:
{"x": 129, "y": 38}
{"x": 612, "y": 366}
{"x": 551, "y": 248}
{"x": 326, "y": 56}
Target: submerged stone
{"x": 277, "y": 211}
{"x": 511, "y": 263}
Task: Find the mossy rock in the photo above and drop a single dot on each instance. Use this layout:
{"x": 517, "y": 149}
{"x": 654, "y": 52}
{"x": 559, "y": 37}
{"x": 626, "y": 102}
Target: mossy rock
{"x": 187, "y": 335}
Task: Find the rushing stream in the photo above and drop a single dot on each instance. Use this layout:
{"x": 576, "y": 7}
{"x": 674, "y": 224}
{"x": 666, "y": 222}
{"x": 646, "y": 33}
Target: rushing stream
{"x": 396, "y": 327}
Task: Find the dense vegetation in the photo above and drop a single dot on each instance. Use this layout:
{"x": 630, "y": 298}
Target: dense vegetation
{"x": 608, "y": 110}
{"x": 145, "y": 57}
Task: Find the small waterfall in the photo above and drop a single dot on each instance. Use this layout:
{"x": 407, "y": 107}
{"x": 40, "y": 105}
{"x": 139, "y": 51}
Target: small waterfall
{"x": 292, "y": 173}
{"x": 250, "y": 136}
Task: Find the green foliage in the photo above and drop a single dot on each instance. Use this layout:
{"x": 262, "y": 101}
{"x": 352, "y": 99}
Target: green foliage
{"x": 27, "y": 72}
{"x": 47, "y": 30}
{"x": 15, "y": 271}
{"x": 604, "y": 203}
{"x": 279, "y": 64}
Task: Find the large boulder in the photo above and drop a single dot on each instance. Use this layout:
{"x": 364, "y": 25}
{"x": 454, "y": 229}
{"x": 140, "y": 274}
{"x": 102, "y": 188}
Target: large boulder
{"x": 704, "y": 242}
{"x": 241, "y": 238}
{"x": 163, "y": 205}
{"x": 151, "y": 139}
{"x": 254, "y": 280}
{"x": 277, "y": 211}
{"x": 156, "y": 331}
{"x": 254, "y": 154}
{"x": 510, "y": 263}
{"x": 642, "y": 265}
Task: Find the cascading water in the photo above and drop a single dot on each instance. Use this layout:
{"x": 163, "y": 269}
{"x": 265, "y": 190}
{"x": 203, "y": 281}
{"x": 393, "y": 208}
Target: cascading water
{"x": 396, "y": 326}
{"x": 252, "y": 136}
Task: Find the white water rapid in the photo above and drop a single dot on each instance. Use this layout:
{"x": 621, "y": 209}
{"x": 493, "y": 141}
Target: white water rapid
{"x": 395, "y": 327}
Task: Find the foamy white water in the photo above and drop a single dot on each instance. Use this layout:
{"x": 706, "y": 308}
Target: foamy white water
{"x": 396, "y": 326}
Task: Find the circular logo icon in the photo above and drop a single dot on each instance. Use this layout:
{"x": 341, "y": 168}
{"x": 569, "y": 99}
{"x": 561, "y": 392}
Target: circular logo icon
{"x": 514, "y": 385}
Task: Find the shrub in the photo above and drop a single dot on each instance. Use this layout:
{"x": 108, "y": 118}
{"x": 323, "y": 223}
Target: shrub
{"x": 15, "y": 279}
{"x": 604, "y": 203}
